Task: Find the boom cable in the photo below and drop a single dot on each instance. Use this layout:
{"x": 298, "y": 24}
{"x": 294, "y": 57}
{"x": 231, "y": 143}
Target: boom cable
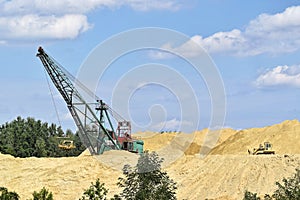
{"x": 52, "y": 97}
{"x": 114, "y": 114}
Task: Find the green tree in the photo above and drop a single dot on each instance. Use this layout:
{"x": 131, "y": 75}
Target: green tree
{"x": 96, "y": 191}
{"x": 40, "y": 148}
{"x": 147, "y": 180}
{"x": 7, "y": 195}
{"x": 250, "y": 196}
{"x": 43, "y": 194}
{"x": 290, "y": 189}
{"x": 267, "y": 197}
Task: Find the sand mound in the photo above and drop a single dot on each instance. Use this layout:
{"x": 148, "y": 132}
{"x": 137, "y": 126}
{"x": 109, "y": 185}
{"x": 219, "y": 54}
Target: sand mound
{"x": 65, "y": 177}
{"x": 224, "y": 174}
{"x": 285, "y": 138}
{"x": 156, "y": 141}
{"x": 228, "y": 176}
{"x": 200, "y": 136}
{"x": 116, "y": 159}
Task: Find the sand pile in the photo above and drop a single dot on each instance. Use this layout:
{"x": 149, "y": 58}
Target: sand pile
{"x": 285, "y": 138}
{"x": 224, "y": 174}
{"x": 228, "y": 176}
{"x": 200, "y": 136}
{"x": 156, "y": 141}
{"x": 65, "y": 177}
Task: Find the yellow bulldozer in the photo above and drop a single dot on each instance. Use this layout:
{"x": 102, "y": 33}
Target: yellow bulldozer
{"x": 262, "y": 149}
{"x": 66, "y": 144}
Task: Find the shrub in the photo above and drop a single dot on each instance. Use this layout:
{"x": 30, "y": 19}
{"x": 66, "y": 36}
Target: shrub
{"x": 146, "y": 180}
{"x": 250, "y": 196}
{"x": 288, "y": 190}
{"x": 96, "y": 191}
{"x": 7, "y": 195}
{"x": 43, "y": 194}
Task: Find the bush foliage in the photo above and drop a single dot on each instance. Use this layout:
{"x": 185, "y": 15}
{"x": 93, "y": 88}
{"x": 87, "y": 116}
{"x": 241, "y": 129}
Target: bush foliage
{"x": 96, "y": 191}
{"x": 147, "y": 180}
{"x": 7, "y": 195}
{"x": 43, "y": 194}
{"x": 289, "y": 189}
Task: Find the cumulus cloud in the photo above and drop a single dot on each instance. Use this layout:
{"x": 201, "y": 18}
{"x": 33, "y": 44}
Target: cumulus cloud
{"x": 29, "y": 20}
{"x": 49, "y": 6}
{"x": 82, "y": 6}
{"x": 273, "y": 34}
{"x": 43, "y": 27}
{"x": 280, "y": 75}
{"x": 171, "y": 125}
{"x": 147, "y": 5}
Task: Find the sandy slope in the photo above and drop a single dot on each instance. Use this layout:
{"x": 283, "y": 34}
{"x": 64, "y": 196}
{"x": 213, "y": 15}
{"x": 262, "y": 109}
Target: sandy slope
{"x": 228, "y": 176}
{"x": 65, "y": 177}
{"x": 285, "y": 138}
{"x": 224, "y": 174}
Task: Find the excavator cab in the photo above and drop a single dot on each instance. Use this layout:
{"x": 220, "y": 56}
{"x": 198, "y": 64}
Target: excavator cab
{"x": 66, "y": 145}
{"x": 127, "y": 142}
{"x": 268, "y": 146}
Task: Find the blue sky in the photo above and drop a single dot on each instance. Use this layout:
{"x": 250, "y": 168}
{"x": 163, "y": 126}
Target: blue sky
{"x": 255, "y": 45}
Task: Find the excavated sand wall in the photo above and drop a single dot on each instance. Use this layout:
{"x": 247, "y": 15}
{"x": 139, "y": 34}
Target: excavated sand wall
{"x": 223, "y": 174}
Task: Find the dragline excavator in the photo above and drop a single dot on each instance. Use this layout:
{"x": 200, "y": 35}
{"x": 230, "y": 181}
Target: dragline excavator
{"x": 95, "y": 127}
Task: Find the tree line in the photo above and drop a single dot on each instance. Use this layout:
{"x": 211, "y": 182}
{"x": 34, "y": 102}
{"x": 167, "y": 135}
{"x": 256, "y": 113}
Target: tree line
{"x": 29, "y": 137}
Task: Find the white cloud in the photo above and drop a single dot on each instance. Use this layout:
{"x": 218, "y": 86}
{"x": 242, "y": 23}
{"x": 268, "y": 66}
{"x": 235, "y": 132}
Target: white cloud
{"x": 58, "y": 7}
{"x": 271, "y": 34}
{"x": 28, "y": 20}
{"x": 171, "y": 125}
{"x": 34, "y": 27}
{"x": 280, "y": 75}
{"x": 82, "y": 6}
{"x": 147, "y": 5}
